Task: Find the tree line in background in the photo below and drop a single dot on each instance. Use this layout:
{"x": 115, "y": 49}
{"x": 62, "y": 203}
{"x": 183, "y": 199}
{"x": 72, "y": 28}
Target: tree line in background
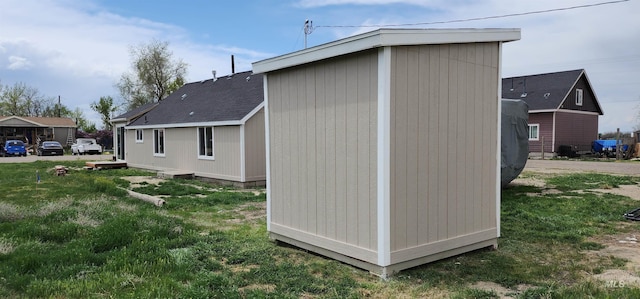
{"x": 154, "y": 75}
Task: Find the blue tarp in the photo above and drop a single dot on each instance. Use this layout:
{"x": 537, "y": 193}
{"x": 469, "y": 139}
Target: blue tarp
{"x": 600, "y": 146}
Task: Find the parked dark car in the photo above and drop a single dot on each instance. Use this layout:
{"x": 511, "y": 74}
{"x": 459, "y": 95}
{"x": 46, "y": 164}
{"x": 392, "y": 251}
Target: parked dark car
{"x": 13, "y": 148}
{"x": 52, "y": 148}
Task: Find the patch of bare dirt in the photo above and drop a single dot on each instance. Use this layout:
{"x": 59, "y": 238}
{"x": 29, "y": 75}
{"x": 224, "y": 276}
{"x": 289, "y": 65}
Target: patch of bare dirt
{"x": 249, "y": 212}
{"x": 631, "y": 191}
{"x": 502, "y": 292}
{"x": 138, "y": 181}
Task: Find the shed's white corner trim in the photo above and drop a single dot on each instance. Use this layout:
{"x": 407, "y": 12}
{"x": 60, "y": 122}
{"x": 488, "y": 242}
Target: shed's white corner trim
{"x": 384, "y": 157}
{"x": 267, "y": 148}
{"x": 499, "y": 144}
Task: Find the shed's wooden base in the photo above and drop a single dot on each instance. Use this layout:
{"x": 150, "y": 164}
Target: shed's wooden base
{"x": 385, "y": 271}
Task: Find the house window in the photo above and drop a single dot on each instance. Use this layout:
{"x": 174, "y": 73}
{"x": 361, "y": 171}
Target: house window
{"x": 578, "y": 97}
{"x": 534, "y": 132}
{"x": 158, "y": 142}
{"x": 205, "y": 142}
{"x": 139, "y": 137}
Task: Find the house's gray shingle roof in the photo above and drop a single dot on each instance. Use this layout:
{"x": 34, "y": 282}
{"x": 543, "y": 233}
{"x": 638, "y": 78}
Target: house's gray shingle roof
{"x": 131, "y": 114}
{"x": 544, "y": 91}
{"x": 229, "y": 98}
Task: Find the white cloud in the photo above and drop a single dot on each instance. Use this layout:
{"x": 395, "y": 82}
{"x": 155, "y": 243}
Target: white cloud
{"x": 18, "y": 63}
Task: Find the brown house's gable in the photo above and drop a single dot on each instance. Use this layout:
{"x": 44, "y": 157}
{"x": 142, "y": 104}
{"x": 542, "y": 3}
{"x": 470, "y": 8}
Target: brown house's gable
{"x": 589, "y": 100}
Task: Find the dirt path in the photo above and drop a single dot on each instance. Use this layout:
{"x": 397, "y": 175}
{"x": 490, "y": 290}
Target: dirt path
{"x": 625, "y": 168}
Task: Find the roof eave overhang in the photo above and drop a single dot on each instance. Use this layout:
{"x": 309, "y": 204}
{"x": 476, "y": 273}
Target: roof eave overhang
{"x": 383, "y": 38}
{"x": 188, "y": 125}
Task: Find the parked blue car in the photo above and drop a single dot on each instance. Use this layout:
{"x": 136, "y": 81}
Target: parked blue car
{"x": 13, "y": 148}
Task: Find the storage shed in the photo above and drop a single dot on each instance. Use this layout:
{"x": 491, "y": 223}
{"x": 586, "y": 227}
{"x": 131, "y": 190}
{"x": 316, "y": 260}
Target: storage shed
{"x": 383, "y": 148}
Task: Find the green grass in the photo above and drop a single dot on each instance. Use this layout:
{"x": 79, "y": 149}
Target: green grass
{"x": 80, "y": 236}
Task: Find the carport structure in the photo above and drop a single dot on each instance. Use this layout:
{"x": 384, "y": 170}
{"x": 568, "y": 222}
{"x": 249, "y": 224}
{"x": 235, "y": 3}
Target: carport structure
{"x": 33, "y": 129}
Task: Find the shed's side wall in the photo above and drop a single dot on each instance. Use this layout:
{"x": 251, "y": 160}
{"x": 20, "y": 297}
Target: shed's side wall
{"x": 181, "y": 152}
{"x": 323, "y": 154}
{"x": 444, "y": 124}
{"x": 254, "y": 148}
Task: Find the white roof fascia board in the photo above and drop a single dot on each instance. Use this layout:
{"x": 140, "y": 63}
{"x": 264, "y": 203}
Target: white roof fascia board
{"x": 543, "y": 110}
{"x": 383, "y": 38}
{"x": 577, "y": 112}
{"x": 252, "y": 113}
{"x": 187, "y": 125}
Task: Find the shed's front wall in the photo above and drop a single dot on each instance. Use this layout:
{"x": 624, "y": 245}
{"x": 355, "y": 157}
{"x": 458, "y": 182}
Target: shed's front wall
{"x": 322, "y": 120}
{"x": 181, "y": 152}
{"x": 444, "y": 130}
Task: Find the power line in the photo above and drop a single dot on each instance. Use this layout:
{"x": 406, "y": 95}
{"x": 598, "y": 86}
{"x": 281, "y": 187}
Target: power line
{"x": 477, "y": 19}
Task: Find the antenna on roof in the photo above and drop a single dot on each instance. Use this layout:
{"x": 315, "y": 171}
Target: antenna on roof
{"x": 308, "y": 29}
{"x": 233, "y": 65}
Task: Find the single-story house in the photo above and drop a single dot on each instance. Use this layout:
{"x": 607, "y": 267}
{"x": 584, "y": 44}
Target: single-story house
{"x": 563, "y": 109}
{"x": 384, "y": 147}
{"x": 211, "y": 129}
{"x": 31, "y": 129}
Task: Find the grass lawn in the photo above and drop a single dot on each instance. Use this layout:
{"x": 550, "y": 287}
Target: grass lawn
{"x": 81, "y": 236}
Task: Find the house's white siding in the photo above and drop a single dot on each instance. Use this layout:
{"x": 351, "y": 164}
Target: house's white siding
{"x": 181, "y": 152}
{"x": 254, "y": 148}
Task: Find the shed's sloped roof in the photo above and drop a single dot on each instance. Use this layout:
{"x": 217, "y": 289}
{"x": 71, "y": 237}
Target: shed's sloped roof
{"x": 229, "y": 98}
{"x": 43, "y": 121}
{"x": 543, "y": 91}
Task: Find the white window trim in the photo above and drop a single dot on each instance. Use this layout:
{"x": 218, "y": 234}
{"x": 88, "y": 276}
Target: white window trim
{"x": 537, "y": 130}
{"x": 141, "y": 139}
{"x": 164, "y": 141}
{"x": 579, "y": 97}
{"x": 213, "y": 144}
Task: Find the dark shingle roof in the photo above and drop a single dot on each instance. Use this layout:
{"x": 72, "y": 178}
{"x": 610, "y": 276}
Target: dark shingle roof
{"x": 132, "y": 114}
{"x": 229, "y": 98}
{"x": 543, "y": 91}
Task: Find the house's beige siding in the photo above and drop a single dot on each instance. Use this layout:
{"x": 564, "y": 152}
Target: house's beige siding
{"x": 444, "y": 114}
{"x": 181, "y": 152}
{"x": 323, "y": 153}
{"x": 254, "y": 148}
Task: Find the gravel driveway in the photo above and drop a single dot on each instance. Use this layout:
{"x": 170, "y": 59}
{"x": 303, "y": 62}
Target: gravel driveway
{"x": 625, "y": 168}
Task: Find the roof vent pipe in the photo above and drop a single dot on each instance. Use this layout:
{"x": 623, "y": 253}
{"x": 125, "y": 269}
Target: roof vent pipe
{"x": 233, "y": 65}
{"x": 214, "y": 75}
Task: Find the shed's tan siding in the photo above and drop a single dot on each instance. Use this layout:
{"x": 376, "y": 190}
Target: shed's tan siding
{"x": 323, "y": 153}
{"x": 254, "y": 144}
{"x": 181, "y": 152}
{"x": 443, "y": 152}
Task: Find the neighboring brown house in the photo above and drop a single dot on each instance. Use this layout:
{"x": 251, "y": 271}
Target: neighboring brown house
{"x": 383, "y": 147}
{"x": 563, "y": 109}
{"x": 33, "y": 129}
{"x": 211, "y": 129}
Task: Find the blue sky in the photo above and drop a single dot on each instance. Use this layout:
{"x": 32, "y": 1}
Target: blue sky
{"x": 78, "y": 49}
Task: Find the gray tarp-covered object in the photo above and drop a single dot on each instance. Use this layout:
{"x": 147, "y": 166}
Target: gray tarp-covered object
{"x": 515, "y": 139}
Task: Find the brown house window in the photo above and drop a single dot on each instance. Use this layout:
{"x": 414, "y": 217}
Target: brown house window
{"x": 534, "y": 132}
{"x": 578, "y": 97}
